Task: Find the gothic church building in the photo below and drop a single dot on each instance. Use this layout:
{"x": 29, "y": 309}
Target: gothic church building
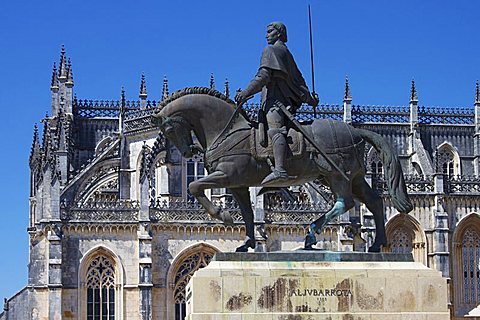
{"x": 114, "y": 233}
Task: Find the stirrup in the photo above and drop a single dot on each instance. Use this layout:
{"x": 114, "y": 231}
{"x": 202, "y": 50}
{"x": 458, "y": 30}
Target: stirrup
{"x": 275, "y": 176}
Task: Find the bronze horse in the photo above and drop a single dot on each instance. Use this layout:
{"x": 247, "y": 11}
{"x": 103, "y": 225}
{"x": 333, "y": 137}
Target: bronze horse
{"x": 227, "y": 148}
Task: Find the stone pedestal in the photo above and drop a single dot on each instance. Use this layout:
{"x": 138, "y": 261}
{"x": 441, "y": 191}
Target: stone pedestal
{"x": 316, "y": 285}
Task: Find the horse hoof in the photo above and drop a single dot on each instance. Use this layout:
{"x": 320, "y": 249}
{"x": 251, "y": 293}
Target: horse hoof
{"x": 375, "y": 247}
{"x": 310, "y": 240}
{"x": 242, "y": 248}
{"x": 249, "y": 243}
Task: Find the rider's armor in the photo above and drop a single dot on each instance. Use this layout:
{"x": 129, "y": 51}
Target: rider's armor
{"x": 282, "y": 82}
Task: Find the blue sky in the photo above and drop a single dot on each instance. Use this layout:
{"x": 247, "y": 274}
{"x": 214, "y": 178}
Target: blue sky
{"x": 380, "y": 45}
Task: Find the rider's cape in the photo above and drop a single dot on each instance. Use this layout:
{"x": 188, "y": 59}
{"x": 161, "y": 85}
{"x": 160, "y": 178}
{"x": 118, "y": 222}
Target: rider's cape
{"x": 286, "y": 76}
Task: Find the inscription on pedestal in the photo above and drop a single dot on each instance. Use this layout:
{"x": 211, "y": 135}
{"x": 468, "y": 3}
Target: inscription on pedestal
{"x": 321, "y": 293}
{"x": 400, "y": 290}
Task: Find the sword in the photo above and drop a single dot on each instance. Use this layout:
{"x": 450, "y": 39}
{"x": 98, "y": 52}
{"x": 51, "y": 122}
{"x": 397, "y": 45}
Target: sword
{"x": 310, "y": 139}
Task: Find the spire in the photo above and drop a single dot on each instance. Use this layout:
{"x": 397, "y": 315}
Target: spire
{"x": 165, "y": 88}
{"x": 212, "y": 81}
{"x": 413, "y": 93}
{"x": 54, "y": 84}
{"x": 35, "y": 150}
{"x": 122, "y": 111}
{"x": 347, "y": 96}
{"x": 143, "y": 88}
{"x": 122, "y": 97}
{"x": 46, "y": 142}
{"x": 226, "y": 92}
{"x": 69, "y": 73}
{"x": 477, "y": 94}
{"x": 62, "y": 69}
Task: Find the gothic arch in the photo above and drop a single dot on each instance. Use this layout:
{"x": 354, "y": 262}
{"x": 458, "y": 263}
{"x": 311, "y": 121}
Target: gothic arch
{"x": 102, "y": 254}
{"x": 105, "y": 190}
{"x": 446, "y": 153}
{"x": 405, "y": 235}
{"x": 465, "y": 264}
{"x": 95, "y": 177}
{"x": 182, "y": 268}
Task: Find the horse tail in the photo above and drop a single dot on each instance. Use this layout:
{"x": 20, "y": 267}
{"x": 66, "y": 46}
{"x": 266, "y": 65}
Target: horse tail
{"x": 393, "y": 170}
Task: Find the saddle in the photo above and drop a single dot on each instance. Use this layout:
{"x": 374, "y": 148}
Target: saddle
{"x": 296, "y": 145}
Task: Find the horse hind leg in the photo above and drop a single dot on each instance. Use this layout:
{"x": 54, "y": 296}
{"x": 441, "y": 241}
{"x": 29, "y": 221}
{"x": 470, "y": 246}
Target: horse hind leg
{"x": 343, "y": 203}
{"x": 363, "y": 192}
{"x": 242, "y": 195}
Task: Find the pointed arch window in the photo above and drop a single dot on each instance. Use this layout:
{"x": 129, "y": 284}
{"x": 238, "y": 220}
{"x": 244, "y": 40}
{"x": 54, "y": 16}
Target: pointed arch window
{"x": 100, "y": 283}
{"x": 405, "y": 235}
{"x": 446, "y": 162}
{"x": 470, "y": 267}
{"x": 466, "y": 264}
{"x": 184, "y": 272}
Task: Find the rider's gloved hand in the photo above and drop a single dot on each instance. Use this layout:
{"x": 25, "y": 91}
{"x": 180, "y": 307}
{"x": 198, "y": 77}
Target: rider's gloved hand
{"x": 313, "y": 99}
{"x": 241, "y": 97}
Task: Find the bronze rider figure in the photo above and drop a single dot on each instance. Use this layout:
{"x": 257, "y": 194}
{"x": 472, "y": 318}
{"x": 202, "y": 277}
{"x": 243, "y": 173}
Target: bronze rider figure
{"x": 280, "y": 81}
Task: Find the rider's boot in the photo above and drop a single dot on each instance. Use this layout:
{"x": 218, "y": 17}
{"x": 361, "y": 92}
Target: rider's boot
{"x": 279, "y": 144}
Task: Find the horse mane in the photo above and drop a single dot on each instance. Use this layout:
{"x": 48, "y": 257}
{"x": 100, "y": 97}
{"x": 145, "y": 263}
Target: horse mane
{"x": 194, "y": 90}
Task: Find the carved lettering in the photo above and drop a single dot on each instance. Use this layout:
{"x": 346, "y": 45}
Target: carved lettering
{"x": 321, "y": 293}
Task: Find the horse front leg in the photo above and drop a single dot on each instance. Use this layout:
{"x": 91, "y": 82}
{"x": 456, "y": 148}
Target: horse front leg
{"x": 242, "y": 196}
{"x": 217, "y": 179}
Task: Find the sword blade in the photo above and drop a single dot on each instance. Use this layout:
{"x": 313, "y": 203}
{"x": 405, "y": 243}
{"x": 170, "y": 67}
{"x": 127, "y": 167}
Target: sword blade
{"x": 310, "y": 139}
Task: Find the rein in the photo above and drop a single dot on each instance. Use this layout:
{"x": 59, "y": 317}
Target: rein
{"x": 227, "y": 127}
{"x": 212, "y": 153}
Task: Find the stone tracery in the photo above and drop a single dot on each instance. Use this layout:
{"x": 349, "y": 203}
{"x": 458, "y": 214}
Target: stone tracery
{"x": 100, "y": 283}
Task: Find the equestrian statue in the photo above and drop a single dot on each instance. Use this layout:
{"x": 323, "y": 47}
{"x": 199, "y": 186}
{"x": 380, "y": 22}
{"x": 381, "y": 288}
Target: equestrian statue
{"x": 277, "y": 151}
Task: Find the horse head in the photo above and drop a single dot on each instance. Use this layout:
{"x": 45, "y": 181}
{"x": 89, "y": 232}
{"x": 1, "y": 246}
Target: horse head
{"x": 202, "y": 111}
{"x": 179, "y": 132}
